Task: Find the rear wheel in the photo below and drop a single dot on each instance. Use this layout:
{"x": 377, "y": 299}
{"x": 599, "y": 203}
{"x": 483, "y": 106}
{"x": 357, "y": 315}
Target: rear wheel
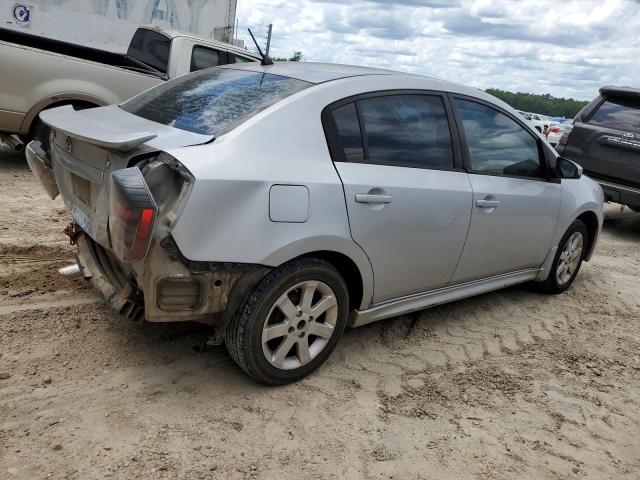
{"x": 290, "y": 323}
{"x": 566, "y": 265}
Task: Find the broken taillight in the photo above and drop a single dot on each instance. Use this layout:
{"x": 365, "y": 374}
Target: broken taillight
{"x": 132, "y": 213}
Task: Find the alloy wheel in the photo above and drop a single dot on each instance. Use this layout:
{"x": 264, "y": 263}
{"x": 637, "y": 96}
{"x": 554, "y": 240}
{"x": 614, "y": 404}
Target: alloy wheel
{"x": 299, "y": 325}
{"x": 569, "y": 258}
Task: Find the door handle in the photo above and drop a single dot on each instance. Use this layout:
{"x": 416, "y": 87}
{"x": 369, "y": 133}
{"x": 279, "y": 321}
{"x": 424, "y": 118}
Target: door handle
{"x": 372, "y": 198}
{"x": 487, "y": 203}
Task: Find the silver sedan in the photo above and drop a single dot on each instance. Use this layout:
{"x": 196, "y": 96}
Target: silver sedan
{"x": 281, "y": 203}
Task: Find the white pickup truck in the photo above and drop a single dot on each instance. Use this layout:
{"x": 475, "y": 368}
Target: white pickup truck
{"x": 542, "y": 123}
{"x": 39, "y": 73}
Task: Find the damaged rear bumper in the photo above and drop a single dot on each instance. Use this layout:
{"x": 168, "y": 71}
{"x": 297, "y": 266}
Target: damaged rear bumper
{"x": 37, "y": 161}
{"x": 165, "y": 287}
{"x": 162, "y": 287}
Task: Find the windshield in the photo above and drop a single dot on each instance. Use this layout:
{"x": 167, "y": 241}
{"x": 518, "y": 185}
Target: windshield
{"x": 212, "y": 101}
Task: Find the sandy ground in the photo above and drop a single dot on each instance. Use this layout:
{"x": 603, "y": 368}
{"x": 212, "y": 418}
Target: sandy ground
{"x": 511, "y": 384}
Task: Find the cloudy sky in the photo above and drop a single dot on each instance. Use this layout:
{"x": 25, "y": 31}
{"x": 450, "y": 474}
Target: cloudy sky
{"x": 562, "y": 47}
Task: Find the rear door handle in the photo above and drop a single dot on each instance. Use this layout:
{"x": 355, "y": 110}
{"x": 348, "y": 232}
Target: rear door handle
{"x": 372, "y": 198}
{"x": 487, "y": 203}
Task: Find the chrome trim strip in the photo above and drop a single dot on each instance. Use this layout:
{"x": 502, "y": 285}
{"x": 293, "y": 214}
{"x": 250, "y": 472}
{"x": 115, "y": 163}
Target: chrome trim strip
{"x": 421, "y": 301}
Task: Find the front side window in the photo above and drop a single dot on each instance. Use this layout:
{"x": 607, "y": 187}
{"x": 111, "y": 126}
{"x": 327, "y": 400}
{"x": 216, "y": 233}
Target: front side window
{"x": 399, "y": 130}
{"x": 619, "y": 115}
{"x": 202, "y": 58}
{"x": 497, "y": 144}
{"x": 214, "y": 101}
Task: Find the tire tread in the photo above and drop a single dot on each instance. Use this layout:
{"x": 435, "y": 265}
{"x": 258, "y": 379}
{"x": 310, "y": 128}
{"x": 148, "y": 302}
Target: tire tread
{"x": 236, "y": 332}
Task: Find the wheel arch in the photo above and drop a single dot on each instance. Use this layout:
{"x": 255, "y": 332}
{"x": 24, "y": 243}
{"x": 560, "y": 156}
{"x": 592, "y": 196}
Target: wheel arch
{"x": 343, "y": 253}
{"x": 590, "y": 219}
{"x": 349, "y": 271}
{"x": 81, "y": 99}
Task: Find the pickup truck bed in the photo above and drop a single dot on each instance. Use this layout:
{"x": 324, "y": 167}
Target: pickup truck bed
{"x": 40, "y": 73}
{"x": 78, "y": 51}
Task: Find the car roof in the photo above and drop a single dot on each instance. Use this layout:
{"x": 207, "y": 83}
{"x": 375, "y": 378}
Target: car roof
{"x": 318, "y": 73}
{"x": 313, "y": 72}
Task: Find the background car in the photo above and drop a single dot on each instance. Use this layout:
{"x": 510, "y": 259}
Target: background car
{"x": 525, "y": 115}
{"x": 605, "y": 141}
{"x": 557, "y": 131}
{"x": 281, "y": 203}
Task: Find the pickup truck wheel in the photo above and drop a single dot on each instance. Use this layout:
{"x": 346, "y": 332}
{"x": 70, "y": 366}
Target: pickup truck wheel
{"x": 290, "y": 323}
{"x": 40, "y": 132}
{"x": 566, "y": 265}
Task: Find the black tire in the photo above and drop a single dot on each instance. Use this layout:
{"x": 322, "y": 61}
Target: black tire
{"x": 551, "y": 285}
{"x": 40, "y": 132}
{"x": 243, "y": 336}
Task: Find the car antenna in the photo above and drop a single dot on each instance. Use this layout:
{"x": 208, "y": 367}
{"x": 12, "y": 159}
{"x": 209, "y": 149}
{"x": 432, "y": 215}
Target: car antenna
{"x": 266, "y": 60}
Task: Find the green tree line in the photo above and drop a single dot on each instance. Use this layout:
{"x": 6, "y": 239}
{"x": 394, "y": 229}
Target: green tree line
{"x": 544, "y": 104}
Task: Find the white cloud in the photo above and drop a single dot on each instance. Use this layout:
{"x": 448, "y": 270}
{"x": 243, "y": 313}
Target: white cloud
{"x": 565, "y": 48}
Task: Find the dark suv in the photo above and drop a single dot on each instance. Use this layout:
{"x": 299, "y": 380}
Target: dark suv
{"x": 605, "y": 141}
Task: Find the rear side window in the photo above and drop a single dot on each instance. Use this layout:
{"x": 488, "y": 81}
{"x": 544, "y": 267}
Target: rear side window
{"x": 497, "y": 144}
{"x": 214, "y": 101}
{"x": 202, "y": 58}
{"x": 151, "y": 48}
{"x": 618, "y": 115}
{"x": 398, "y": 130}
{"x": 348, "y": 126}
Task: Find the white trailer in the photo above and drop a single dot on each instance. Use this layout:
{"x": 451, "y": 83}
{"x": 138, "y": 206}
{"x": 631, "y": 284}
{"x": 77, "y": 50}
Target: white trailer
{"x": 110, "y": 24}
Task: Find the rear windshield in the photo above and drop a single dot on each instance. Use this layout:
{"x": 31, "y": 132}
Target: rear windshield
{"x": 151, "y": 48}
{"x": 618, "y": 114}
{"x": 212, "y": 101}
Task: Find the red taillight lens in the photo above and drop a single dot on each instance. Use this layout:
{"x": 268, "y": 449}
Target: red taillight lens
{"x": 132, "y": 214}
{"x": 555, "y": 129}
{"x": 564, "y": 139}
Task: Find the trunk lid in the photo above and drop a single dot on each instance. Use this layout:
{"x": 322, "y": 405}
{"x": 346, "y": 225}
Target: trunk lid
{"x": 88, "y": 145}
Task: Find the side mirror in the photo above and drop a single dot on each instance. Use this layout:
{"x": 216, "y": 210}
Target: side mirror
{"x": 565, "y": 168}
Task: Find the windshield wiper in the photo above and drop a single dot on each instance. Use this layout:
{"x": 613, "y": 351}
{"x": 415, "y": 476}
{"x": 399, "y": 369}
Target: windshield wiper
{"x": 147, "y": 68}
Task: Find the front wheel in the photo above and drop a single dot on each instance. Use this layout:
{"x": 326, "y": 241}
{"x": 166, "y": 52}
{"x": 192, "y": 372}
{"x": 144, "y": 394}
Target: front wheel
{"x": 290, "y": 323}
{"x": 566, "y": 265}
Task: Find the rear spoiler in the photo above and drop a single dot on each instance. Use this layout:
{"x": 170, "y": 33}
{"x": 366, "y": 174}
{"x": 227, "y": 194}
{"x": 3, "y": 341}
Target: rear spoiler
{"x": 621, "y": 93}
{"x": 86, "y": 128}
